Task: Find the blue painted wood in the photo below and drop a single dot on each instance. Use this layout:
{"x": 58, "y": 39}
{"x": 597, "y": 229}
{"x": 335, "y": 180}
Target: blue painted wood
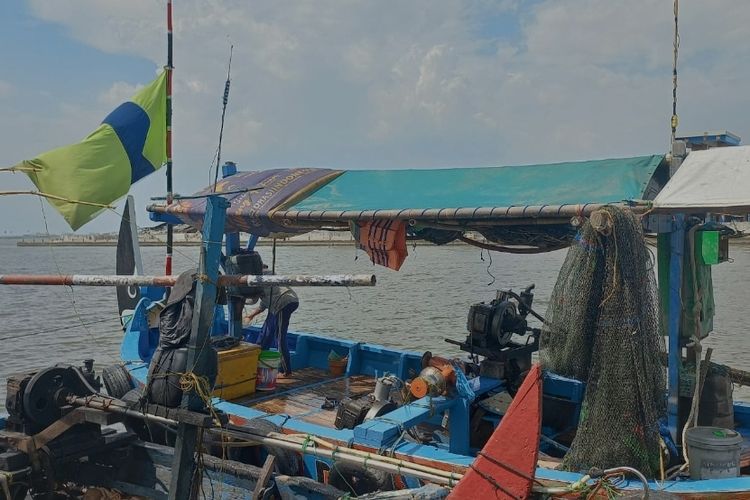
{"x": 164, "y": 218}
{"x": 483, "y": 385}
{"x": 563, "y": 387}
{"x": 728, "y": 485}
{"x": 742, "y": 413}
{"x": 354, "y": 365}
{"x": 458, "y": 425}
{"x": 231, "y": 247}
{"x": 136, "y": 330}
{"x": 252, "y": 241}
{"x": 677, "y": 247}
{"x": 383, "y": 431}
{"x": 199, "y": 349}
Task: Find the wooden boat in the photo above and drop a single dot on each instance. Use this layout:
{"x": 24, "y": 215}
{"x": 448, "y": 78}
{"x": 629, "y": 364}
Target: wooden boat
{"x": 435, "y": 437}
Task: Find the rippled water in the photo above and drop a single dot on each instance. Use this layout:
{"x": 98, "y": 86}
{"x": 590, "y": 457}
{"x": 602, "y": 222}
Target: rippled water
{"x": 415, "y": 308}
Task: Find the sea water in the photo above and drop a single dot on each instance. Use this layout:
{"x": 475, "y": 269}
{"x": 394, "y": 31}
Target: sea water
{"x": 416, "y": 308}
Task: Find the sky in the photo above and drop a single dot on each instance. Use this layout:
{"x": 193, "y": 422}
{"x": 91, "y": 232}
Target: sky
{"x": 372, "y": 84}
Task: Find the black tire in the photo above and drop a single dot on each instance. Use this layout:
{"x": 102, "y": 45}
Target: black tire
{"x": 117, "y": 381}
{"x": 287, "y": 462}
{"x": 358, "y": 480}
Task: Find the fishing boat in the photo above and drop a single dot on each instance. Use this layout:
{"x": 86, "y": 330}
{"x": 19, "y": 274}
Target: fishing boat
{"x": 581, "y": 400}
{"x": 485, "y": 418}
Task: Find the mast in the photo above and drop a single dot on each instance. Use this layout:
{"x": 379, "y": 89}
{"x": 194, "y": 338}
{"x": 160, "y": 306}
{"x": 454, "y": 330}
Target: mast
{"x": 169, "y": 68}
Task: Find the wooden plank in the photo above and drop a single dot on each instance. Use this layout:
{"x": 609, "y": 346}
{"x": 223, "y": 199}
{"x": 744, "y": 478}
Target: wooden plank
{"x": 300, "y": 379}
{"x": 265, "y": 475}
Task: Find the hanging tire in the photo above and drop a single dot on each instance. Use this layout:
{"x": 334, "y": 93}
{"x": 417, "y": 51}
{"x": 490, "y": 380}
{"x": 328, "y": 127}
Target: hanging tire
{"x": 287, "y": 462}
{"x": 359, "y": 481}
{"x": 117, "y": 381}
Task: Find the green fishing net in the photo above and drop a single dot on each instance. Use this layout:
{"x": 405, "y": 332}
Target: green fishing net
{"x": 602, "y": 328}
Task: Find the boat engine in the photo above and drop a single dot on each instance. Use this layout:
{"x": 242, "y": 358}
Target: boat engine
{"x": 354, "y": 411}
{"x": 492, "y": 327}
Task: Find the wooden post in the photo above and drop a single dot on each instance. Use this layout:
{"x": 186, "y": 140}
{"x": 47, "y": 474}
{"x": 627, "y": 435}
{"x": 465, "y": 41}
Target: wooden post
{"x": 232, "y": 246}
{"x": 265, "y": 474}
{"x": 676, "y": 259}
{"x": 185, "y": 479}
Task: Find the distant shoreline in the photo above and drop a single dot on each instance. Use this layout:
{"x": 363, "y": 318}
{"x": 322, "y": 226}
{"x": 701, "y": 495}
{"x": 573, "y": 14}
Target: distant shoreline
{"x": 194, "y": 243}
{"x": 189, "y": 243}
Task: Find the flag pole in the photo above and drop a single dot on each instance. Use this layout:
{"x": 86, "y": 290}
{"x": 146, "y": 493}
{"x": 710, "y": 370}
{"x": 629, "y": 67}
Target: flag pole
{"x": 169, "y": 68}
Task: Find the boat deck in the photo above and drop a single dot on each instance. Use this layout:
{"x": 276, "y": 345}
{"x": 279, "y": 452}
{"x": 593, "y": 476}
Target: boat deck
{"x": 302, "y": 395}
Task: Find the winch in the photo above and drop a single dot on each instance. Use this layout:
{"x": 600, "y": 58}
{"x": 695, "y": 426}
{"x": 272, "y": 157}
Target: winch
{"x": 35, "y": 400}
{"x": 492, "y": 327}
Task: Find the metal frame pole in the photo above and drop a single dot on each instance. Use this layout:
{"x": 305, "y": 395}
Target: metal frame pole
{"x": 168, "y": 118}
{"x": 184, "y": 482}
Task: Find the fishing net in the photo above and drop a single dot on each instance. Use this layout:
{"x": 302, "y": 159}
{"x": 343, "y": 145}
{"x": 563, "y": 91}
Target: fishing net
{"x": 602, "y": 328}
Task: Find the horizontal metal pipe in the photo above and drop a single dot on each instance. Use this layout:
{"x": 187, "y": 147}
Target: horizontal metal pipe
{"x": 265, "y": 280}
{"x": 527, "y": 211}
{"x": 339, "y": 454}
{"x": 343, "y": 456}
{"x": 113, "y": 405}
{"x": 436, "y": 214}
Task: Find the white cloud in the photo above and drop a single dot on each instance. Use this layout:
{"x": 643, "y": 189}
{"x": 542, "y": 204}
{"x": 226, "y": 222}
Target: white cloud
{"x": 118, "y": 93}
{"x": 585, "y": 77}
{"x": 421, "y": 83}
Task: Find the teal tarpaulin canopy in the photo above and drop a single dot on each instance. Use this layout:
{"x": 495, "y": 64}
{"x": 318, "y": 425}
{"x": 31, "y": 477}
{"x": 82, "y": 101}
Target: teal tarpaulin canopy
{"x": 299, "y": 199}
{"x": 598, "y": 181}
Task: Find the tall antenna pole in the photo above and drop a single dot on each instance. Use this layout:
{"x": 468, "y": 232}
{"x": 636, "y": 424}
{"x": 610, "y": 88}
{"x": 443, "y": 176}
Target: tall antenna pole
{"x": 169, "y": 68}
{"x": 676, "y": 47}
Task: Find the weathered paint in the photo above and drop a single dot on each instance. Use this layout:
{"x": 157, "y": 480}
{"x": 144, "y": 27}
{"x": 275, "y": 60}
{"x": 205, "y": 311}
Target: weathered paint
{"x": 288, "y": 217}
{"x": 676, "y": 258}
{"x": 198, "y": 360}
{"x": 225, "y": 280}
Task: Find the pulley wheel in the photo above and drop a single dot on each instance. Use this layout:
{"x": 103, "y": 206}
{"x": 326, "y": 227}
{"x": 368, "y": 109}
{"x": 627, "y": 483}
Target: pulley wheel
{"x": 39, "y": 398}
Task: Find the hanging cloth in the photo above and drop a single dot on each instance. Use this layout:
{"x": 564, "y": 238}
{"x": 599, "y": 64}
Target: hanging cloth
{"x": 384, "y": 241}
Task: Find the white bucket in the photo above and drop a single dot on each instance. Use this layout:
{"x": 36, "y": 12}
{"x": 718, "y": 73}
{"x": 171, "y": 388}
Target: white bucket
{"x": 268, "y": 370}
{"x": 713, "y": 452}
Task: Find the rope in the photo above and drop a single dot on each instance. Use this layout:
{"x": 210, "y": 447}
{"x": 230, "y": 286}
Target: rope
{"x": 493, "y": 482}
{"x": 70, "y": 288}
{"x": 58, "y": 198}
{"x": 20, "y": 169}
{"x": 506, "y": 249}
{"x": 53, "y": 330}
{"x": 189, "y": 381}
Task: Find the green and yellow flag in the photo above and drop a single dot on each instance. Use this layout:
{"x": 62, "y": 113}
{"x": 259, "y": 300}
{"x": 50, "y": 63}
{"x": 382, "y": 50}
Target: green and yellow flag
{"x": 127, "y": 146}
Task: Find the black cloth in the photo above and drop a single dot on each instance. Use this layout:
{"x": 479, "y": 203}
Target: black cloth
{"x": 176, "y": 320}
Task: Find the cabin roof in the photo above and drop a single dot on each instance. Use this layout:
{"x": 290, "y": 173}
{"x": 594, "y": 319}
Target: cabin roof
{"x": 712, "y": 180}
